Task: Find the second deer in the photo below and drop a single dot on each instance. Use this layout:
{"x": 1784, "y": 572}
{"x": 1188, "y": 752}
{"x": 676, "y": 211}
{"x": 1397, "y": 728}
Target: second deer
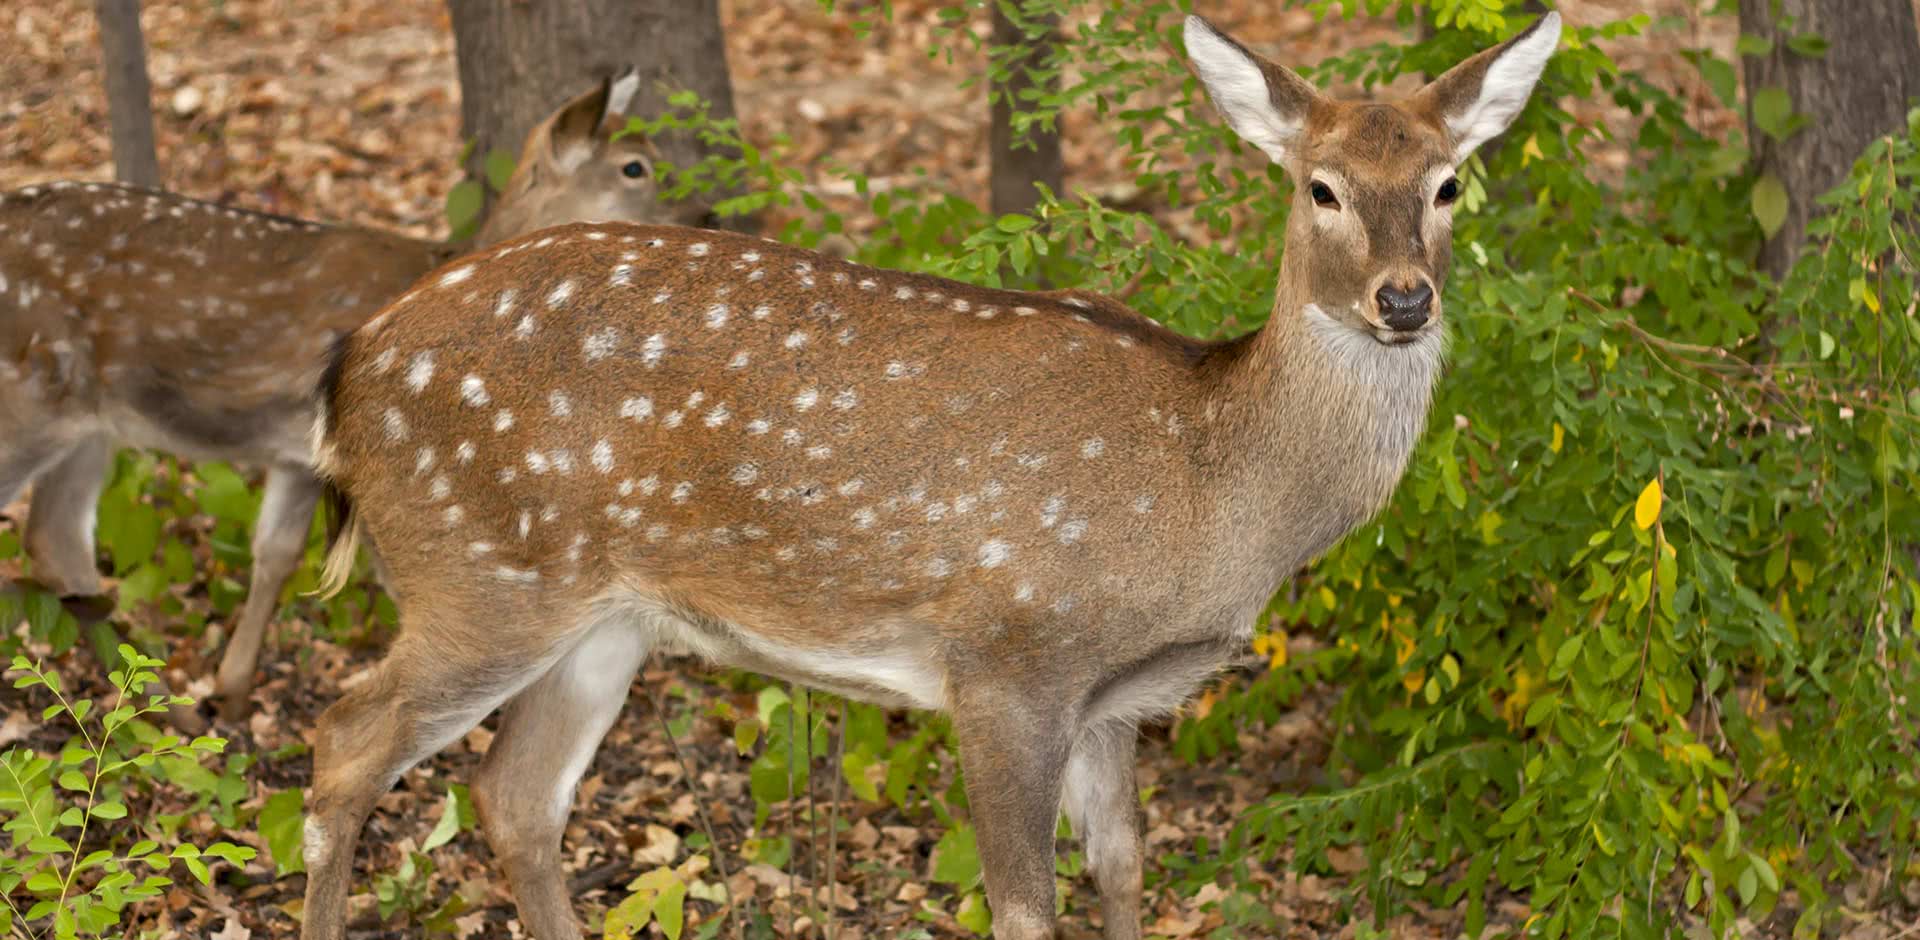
{"x": 146, "y": 319}
{"x": 1042, "y": 513}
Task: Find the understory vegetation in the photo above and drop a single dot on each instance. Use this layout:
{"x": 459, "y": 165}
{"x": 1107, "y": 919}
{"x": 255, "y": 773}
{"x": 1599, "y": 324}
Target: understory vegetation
{"x": 1634, "y": 642}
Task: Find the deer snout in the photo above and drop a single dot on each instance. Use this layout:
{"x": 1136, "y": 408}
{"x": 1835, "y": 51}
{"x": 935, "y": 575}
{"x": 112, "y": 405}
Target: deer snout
{"x": 1403, "y": 310}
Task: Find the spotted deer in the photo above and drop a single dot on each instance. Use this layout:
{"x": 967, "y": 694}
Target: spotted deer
{"x": 146, "y": 319}
{"x": 1044, "y": 514}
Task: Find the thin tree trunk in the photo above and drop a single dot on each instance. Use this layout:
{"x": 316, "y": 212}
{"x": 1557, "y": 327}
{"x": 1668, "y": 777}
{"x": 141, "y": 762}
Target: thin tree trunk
{"x": 1018, "y": 164}
{"x": 129, "y": 95}
{"x": 520, "y": 60}
{"x": 1854, "y": 93}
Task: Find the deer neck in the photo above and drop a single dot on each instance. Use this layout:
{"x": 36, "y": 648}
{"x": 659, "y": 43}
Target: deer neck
{"x": 1315, "y": 424}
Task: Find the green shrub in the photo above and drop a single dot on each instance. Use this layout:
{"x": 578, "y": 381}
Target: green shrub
{"x": 57, "y": 806}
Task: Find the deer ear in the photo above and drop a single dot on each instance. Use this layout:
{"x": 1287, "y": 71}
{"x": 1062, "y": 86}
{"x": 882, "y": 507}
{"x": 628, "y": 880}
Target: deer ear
{"x": 1265, "y": 104}
{"x": 1480, "y": 97}
{"x": 578, "y": 130}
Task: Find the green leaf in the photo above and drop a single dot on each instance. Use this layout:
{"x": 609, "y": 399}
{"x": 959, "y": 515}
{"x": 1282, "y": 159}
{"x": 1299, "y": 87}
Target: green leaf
{"x": 629, "y": 918}
{"x": 1826, "y": 345}
{"x": 48, "y": 845}
{"x": 109, "y": 810}
{"x": 464, "y": 202}
{"x": 1563, "y": 658}
{"x": 1770, "y": 204}
{"x": 281, "y": 824}
{"x": 456, "y": 814}
{"x": 1773, "y": 112}
{"x": 669, "y": 908}
{"x": 1810, "y": 45}
{"x": 853, "y": 766}
{"x": 956, "y": 859}
{"x": 499, "y": 169}
{"x": 1751, "y": 45}
{"x": 974, "y": 915}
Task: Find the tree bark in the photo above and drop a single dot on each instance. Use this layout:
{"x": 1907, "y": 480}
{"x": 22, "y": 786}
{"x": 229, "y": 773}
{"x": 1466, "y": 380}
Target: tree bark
{"x": 1016, "y": 164}
{"x": 520, "y": 60}
{"x": 1854, "y": 93}
{"x": 123, "y": 58}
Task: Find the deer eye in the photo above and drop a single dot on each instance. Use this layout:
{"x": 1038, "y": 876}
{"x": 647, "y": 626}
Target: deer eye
{"x": 1449, "y": 191}
{"x": 634, "y": 169}
{"x": 1322, "y": 195}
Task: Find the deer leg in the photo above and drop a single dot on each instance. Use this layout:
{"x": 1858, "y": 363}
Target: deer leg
{"x": 279, "y": 542}
{"x": 23, "y": 458}
{"x": 434, "y": 686}
{"x": 61, "y": 516}
{"x": 548, "y": 735}
{"x": 1103, "y": 803}
{"x": 1013, "y": 761}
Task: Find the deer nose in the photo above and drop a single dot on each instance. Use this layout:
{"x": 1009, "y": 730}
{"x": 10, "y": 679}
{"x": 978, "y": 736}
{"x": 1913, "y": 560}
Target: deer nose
{"x": 1404, "y": 310}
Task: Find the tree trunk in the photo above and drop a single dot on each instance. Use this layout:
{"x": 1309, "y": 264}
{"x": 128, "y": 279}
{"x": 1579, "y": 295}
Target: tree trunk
{"x": 1854, "y": 93}
{"x": 520, "y": 60}
{"x": 123, "y": 58}
{"x": 1017, "y": 164}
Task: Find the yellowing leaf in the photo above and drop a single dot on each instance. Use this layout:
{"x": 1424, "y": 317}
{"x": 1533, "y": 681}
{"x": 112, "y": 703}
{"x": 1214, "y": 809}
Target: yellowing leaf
{"x": 1559, "y": 437}
{"x": 1646, "y": 509}
{"x": 1530, "y": 151}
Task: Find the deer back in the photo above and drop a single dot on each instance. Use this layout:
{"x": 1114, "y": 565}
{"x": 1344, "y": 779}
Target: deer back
{"x": 177, "y": 324}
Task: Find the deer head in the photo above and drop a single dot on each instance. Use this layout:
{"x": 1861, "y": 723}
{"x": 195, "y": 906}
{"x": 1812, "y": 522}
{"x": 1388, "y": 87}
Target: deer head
{"x": 1370, "y": 236}
{"x": 571, "y": 168}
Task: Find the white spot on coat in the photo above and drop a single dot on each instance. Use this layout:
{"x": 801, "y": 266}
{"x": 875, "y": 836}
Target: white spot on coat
{"x": 420, "y": 371}
{"x": 473, "y": 391}
{"x": 394, "y": 424}
{"x": 600, "y": 343}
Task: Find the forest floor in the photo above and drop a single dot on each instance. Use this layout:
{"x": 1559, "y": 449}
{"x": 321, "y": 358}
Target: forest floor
{"x": 347, "y": 110}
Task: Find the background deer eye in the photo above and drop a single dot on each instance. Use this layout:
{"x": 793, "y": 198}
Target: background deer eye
{"x": 1322, "y": 195}
{"x": 634, "y": 169}
{"x": 1449, "y": 191}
